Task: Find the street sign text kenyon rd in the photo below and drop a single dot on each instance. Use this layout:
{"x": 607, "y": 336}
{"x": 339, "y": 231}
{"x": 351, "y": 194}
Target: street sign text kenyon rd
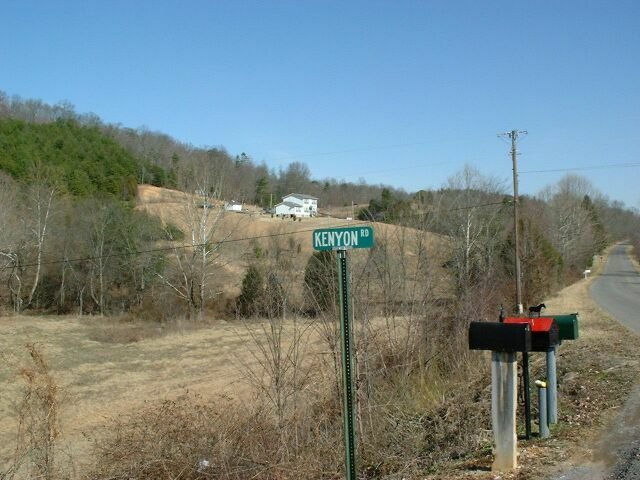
{"x": 343, "y": 238}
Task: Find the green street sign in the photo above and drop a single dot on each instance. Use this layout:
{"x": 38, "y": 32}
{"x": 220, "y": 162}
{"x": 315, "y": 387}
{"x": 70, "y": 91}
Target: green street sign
{"x": 343, "y": 238}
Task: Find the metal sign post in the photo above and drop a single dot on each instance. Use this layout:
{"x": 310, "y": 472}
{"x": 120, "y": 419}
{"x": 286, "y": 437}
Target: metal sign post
{"x": 348, "y": 409}
{"x": 341, "y": 240}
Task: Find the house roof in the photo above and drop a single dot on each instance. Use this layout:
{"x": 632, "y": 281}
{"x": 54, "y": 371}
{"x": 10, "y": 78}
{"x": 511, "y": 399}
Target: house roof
{"x": 301, "y": 196}
{"x": 288, "y": 204}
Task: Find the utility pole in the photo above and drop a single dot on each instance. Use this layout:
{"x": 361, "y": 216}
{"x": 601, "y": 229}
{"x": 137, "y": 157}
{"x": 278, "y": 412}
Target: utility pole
{"x": 513, "y": 135}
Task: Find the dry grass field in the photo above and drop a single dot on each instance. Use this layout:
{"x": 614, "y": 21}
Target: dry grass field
{"x": 106, "y": 368}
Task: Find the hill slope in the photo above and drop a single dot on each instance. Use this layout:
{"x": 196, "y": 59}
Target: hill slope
{"x": 244, "y": 231}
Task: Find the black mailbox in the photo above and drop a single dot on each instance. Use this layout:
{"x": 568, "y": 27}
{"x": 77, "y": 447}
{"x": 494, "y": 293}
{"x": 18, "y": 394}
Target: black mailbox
{"x": 500, "y": 337}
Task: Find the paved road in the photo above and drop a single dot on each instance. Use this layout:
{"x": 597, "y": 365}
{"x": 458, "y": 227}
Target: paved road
{"x": 617, "y": 290}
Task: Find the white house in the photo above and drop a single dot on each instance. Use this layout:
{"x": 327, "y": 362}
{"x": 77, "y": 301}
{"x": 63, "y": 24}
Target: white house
{"x": 233, "y": 206}
{"x": 297, "y": 204}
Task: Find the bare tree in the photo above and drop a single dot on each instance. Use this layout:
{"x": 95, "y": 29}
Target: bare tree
{"x": 473, "y": 228}
{"x": 198, "y": 259}
{"x": 474, "y": 220}
{"x": 295, "y": 178}
{"x": 279, "y": 369}
{"x": 25, "y": 215}
{"x": 11, "y": 240}
{"x": 569, "y": 226}
{"x": 39, "y": 205}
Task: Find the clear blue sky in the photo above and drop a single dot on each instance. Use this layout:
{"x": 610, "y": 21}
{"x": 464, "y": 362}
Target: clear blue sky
{"x": 408, "y": 92}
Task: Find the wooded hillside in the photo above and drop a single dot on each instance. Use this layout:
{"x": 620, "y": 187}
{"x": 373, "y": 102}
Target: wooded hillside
{"x": 71, "y": 240}
{"x": 78, "y": 160}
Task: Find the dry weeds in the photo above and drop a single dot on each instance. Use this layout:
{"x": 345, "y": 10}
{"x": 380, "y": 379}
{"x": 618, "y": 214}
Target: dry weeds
{"x": 104, "y": 376}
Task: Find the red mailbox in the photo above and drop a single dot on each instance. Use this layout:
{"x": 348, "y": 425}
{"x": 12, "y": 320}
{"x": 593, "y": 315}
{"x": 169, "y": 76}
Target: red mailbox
{"x": 544, "y": 332}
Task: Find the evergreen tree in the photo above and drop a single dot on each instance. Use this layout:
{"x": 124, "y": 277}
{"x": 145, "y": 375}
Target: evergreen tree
{"x": 274, "y": 296}
{"x": 320, "y": 280}
{"x": 601, "y": 239}
{"x": 249, "y": 303}
{"x": 262, "y": 191}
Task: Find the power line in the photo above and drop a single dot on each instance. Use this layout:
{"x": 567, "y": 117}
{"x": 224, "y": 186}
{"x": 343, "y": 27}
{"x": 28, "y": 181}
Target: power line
{"x": 353, "y": 150}
{"x": 168, "y": 249}
{"x": 593, "y": 167}
{"x": 456, "y": 209}
{"x": 234, "y": 240}
{"x": 395, "y": 169}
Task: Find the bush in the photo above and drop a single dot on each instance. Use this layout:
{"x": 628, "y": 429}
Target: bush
{"x": 186, "y": 438}
{"x": 190, "y": 438}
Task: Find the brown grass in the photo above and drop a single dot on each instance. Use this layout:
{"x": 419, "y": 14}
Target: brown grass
{"x": 439, "y": 423}
{"x": 106, "y": 368}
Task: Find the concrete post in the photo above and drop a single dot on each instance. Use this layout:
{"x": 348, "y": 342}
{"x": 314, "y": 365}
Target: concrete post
{"x": 503, "y": 410}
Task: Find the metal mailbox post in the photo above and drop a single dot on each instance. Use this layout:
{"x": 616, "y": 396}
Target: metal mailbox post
{"x": 567, "y": 330}
{"x": 341, "y": 240}
{"x": 544, "y": 338}
{"x": 503, "y": 340}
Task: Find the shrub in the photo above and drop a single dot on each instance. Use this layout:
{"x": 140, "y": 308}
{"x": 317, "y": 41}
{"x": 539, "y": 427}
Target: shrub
{"x": 186, "y": 438}
{"x": 38, "y": 422}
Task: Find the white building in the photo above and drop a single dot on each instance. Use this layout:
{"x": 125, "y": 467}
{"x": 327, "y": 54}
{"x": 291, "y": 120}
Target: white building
{"x": 233, "y": 206}
{"x": 297, "y": 204}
